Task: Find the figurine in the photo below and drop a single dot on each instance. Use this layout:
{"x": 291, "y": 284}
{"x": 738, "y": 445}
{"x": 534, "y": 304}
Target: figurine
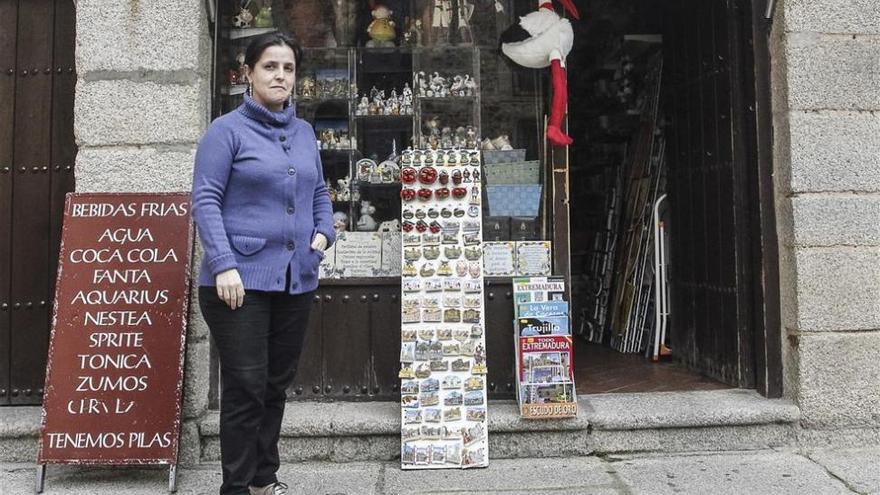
{"x": 502, "y": 142}
{"x": 389, "y": 172}
{"x": 233, "y": 77}
{"x": 421, "y": 84}
{"x": 363, "y": 108}
{"x": 446, "y": 138}
{"x": 242, "y": 70}
{"x": 264, "y": 18}
{"x": 390, "y": 226}
{"x": 461, "y": 137}
{"x": 343, "y": 191}
{"x": 470, "y": 85}
{"x": 366, "y": 223}
{"x": 457, "y": 86}
{"x": 381, "y": 29}
{"x": 243, "y": 19}
{"x": 330, "y": 191}
{"x": 340, "y": 221}
{"x": 440, "y": 21}
{"x": 412, "y": 36}
{"x": 472, "y": 137}
{"x": 307, "y": 87}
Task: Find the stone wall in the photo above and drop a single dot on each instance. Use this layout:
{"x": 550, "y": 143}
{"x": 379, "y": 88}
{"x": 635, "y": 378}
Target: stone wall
{"x": 826, "y": 91}
{"x": 142, "y": 102}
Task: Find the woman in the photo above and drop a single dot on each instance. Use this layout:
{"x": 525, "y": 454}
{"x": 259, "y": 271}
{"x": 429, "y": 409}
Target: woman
{"x": 264, "y": 218}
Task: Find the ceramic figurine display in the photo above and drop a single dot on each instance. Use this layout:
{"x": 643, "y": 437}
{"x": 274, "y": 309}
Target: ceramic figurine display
{"x": 437, "y": 135}
{"x": 435, "y": 85}
{"x": 380, "y": 103}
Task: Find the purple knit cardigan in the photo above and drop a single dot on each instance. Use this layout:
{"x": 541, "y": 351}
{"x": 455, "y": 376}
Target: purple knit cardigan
{"x": 259, "y": 198}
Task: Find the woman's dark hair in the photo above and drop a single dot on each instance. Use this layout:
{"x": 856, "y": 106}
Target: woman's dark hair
{"x": 259, "y": 44}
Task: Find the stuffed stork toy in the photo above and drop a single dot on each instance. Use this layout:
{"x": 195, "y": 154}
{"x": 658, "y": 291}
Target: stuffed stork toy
{"x": 540, "y": 39}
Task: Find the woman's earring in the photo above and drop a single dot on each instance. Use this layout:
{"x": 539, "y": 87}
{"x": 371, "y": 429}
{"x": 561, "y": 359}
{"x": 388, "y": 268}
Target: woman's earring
{"x": 250, "y": 91}
{"x": 290, "y": 98}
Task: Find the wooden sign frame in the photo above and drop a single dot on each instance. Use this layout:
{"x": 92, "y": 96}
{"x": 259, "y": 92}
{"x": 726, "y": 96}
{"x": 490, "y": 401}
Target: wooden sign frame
{"x": 114, "y": 378}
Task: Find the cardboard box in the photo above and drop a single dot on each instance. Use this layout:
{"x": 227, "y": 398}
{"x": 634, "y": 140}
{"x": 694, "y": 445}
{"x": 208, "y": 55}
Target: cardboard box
{"x": 514, "y": 200}
{"x": 524, "y": 229}
{"x": 496, "y": 228}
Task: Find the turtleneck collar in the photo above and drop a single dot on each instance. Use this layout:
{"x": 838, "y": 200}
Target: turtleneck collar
{"x": 254, "y": 110}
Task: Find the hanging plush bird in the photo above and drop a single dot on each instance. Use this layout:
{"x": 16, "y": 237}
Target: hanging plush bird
{"x": 543, "y": 39}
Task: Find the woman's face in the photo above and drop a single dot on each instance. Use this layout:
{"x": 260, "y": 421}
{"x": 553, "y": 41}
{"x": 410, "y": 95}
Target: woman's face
{"x": 273, "y": 77}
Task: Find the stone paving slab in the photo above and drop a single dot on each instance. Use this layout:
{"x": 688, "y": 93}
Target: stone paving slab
{"x": 306, "y": 478}
{"x": 734, "y": 473}
{"x": 859, "y": 468}
{"x": 777, "y": 473}
{"x": 509, "y": 476}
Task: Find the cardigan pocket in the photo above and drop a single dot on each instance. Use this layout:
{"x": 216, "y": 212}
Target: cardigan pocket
{"x": 247, "y": 245}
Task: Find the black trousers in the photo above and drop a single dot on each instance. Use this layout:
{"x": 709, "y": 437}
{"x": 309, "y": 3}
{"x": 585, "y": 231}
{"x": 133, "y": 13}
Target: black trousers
{"x": 259, "y": 346}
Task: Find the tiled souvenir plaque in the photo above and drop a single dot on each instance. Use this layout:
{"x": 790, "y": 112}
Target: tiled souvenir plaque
{"x": 443, "y": 348}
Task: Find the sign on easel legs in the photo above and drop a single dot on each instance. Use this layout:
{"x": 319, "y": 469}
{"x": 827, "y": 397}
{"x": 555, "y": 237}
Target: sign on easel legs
{"x": 115, "y": 368}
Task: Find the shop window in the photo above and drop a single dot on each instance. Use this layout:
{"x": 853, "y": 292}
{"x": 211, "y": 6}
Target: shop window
{"x": 378, "y": 82}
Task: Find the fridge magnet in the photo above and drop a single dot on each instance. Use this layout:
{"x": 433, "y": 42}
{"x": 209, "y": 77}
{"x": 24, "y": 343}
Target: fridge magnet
{"x": 461, "y": 365}
{"x": 474, "y": 398}
{"x": 473, "y": 383}
{"x": 439, "y": 365}
{"x": 406, "y": 371}
{"x": 476, "y": 414}
{"x": 453, "y": 398}
{"x": 454, "y": 414}
{"x": 409, "y": 387}
{"x": 451, "y": 382}
{"x": 429, "y": 399}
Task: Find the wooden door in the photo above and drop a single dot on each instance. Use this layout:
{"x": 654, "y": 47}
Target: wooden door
{"x": 37, "y": 152}
{"x": 711, "y": 182}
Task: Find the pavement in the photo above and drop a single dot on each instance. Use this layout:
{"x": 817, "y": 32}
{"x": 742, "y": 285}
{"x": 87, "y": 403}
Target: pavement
{"x": 736, "y": 473}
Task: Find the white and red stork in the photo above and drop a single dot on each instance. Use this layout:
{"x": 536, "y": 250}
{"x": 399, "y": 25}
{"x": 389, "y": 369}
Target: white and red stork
{"x": 543, "y": 39}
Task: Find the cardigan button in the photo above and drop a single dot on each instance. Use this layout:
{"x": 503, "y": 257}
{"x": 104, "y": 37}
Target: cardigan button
{"x": 291, "y": 171}
{"x": 290, "y": 246}
{"x": 290, "y": 210}
{"x": 282, "y": 138}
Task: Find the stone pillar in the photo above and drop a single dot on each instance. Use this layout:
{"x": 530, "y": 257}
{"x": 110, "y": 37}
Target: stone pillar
{"x": 826, "y": 98}
{"x": 142, "y": 102}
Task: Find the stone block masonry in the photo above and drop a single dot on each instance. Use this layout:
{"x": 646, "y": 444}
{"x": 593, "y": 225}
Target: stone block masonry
{"x": 826, "y": 90}
{"x": 142, "y": 103}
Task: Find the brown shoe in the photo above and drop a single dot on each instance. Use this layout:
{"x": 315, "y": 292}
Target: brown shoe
{"x": 277, "y": 488}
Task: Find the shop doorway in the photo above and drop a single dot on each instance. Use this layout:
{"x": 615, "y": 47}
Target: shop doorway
{"x": 669, "y": 98}
{"x": 37, "y": 152}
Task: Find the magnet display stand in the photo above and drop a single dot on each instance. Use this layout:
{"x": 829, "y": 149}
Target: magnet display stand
{"x": 443, "y": 346}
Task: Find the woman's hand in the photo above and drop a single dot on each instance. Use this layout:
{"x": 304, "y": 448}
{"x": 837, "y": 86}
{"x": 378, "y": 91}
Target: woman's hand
{"x": 229, "y": 288}
{"x": 319, "y": 243}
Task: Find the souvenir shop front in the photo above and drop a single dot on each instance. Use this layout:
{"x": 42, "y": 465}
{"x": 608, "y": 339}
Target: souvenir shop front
{"x": 381, "y": 81}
